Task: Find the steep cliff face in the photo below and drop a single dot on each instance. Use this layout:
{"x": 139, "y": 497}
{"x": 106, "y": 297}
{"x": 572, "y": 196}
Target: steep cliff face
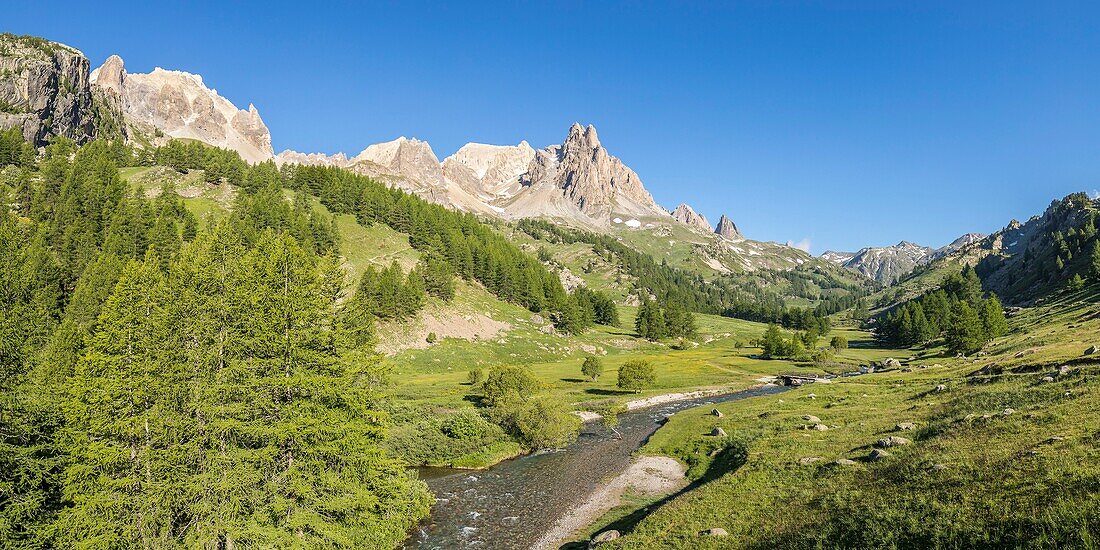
{"x": 490, "y": 172}
{"x": 44, "y": 90}
{"x": 688, "y": 216}
{"x": 727, "y": 229}
{"x": 180, "y": 105}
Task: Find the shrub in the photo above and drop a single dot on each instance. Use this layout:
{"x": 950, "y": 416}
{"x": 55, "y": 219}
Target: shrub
{"x": 636, "y": 375}
{"x": 508, "y": 383}
{"x": 431, "y": 339}
{"x": 838, "y": 343}
{"x": 592, "y": 367}
{"x": 475, "y": 376}
{"x": 465, "y": 425}
{"x": 538, "y": 423}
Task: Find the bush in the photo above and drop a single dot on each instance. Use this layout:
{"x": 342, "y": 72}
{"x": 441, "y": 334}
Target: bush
{"x": 431, "y": 339}
{"x": 538, "y": 423}
{"x": 636, "y": 375}
{"x": 508, "y": 383}
{"x": 838, "y": 343}
{"x": 475, "y": 376}
{"x": 592, "y": 368}
{"x": 465, "y": 425}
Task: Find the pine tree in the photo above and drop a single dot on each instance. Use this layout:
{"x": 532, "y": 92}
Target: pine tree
{"x": 992, "y": 314}
{"x": 965, "y": 334}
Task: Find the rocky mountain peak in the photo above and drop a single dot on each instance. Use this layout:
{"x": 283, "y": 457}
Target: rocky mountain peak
{"x": 180, "y": 105}
{"x": 688, "y": 216}
{"x": 727, "y": 229}
{"x": 580, "y": 179}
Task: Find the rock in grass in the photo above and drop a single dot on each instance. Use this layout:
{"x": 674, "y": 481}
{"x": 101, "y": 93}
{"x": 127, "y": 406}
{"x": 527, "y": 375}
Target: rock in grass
{"x": 891, "y": 363}
{"x": 714, "y": 532}
{"x": 878, "y": 454}
{"x": 1046, "y": 379}
{"x": 809, "y": 460}
{"x": 604, "y": 537}
{"x": 939, "y": 467}
{"x": 845, "y": 462}
{"x": 716, "y": 412}
{"x": 1091, "y": 350}
{"x": 941, "y": 388}
{"x": 1054, "y": 439}
{"x": 1008, "y": 411}
{"x": 810, "y": 418}
{"x": 905, "y": 426}
{"x": 892, "y": 441}
{"x": 718, "y": 432}
{"x": 821, "y": 427}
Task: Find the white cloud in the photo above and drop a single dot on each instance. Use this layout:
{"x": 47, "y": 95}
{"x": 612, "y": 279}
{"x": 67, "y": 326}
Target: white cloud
{"x": 1095, "y": 194}
{"x": 803, "y": 245}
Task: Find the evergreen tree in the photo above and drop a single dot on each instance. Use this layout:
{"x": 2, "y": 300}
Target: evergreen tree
{"x": 965, "y": 334}
{"x": 992, "y": 314}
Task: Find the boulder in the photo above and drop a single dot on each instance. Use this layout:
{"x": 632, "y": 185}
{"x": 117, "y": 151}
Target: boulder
{"x": 604, "y": 537}
{"x": 1008, "y": 411}
{"x": 891, "y": 363}
{"x": 941, "y": 388}
{"x": 905, "y": 426}
{"x": 716, "y": 412}
{"x": 1091, "y": 350}
{"x": 810, "y": 418}
{"x": 878, "y": 454}
{"x": 821, "y": 427}
{"x": 891, "y": 441}
{"x": 714, "y": 532}
{"x": 809, "y": 460}
{"x": 1046, "y": 379}
{"x": 718, "y": 432}
{"x": 845, "y": 462}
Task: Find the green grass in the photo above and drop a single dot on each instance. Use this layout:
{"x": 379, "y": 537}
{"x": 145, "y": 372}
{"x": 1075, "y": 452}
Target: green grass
{"x": 1003, "y": 482}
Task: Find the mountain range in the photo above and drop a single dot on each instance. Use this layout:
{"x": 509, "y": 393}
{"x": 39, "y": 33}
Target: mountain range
{"x": 50, "y": 91}
{"x": 889, "y": 263}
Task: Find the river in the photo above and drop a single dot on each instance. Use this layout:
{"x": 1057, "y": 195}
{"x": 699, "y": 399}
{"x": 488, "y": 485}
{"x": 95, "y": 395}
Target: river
{"x": 511, "y": 504}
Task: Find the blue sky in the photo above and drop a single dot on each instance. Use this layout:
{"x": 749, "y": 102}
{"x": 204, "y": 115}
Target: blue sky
{"x": 842, "y": 124}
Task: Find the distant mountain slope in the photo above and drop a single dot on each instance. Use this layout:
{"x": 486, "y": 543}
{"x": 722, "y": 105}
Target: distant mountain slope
{"x": 1023, "y": 261}
{"x": 889, "y": 263}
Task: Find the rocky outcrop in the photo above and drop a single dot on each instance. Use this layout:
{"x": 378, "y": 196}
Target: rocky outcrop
{"x": 44, "y": 90}
{"x": 490, "y": 172}
{"x": 688, "y": 216}
{"x": 180, "y": 105}
{"x": 579, "y": 179}
{"x": 956, "y": 245}
{"x": 727, "y": 229}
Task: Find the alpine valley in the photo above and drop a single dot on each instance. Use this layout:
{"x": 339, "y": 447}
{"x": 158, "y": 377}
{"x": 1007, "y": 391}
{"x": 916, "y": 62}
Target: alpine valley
{"x": 205, "y": 344}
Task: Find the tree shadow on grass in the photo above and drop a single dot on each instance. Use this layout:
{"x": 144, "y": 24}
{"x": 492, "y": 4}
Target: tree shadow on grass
{"x": 602, "y": 391}
{"x": 574, "y": 380}
{"x": 726, "y": 461}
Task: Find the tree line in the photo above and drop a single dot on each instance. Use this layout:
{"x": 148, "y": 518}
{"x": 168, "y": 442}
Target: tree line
{"x": 958, "y": 311}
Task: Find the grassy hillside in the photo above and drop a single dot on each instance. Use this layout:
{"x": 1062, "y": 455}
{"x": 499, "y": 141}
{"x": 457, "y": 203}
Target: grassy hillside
{"x": 1004, "y": 454}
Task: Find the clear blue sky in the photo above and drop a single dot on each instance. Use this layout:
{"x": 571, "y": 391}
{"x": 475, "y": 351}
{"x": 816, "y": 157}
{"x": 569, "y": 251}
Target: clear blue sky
{"x": 843, "y": 123}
